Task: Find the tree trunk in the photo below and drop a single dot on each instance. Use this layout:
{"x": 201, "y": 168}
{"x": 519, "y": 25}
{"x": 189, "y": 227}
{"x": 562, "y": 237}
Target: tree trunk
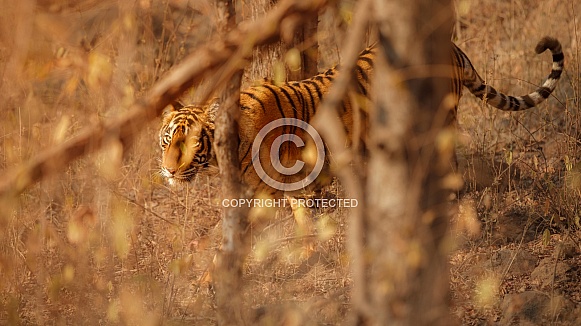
{"x": 306, "y": 42}
{"x": 410, "y": 153}
{"x": 229, "y": 262}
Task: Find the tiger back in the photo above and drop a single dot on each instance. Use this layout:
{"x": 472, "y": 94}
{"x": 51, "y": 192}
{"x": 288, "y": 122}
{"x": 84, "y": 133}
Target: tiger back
{"x": 267, "y": 102}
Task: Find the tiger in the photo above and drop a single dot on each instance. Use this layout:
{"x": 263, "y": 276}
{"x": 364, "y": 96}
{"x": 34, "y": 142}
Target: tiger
{"x": 187, "y": 132}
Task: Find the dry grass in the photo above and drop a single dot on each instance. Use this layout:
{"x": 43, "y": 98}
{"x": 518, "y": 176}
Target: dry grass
{"x": 106, "y": 242}
{"x": 542, "y": 144}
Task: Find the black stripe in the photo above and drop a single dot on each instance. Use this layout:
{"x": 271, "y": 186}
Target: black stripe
{"x": 514, "y": 104}
{"x": 555, "y": 74}
{"x": 460, "y": 58}
{"x": 364, "y": 77}
{"x": 257, "y": 99}
{"x": 315, "y": 93}
{"x": 479, "y": 89}
{"x": 529, "y": 101}
{"x": 293, "y": 106}
{"x": 301, "y": 99}
{"x": 330, "y": 72}
{"x": 361, "y": 87}
{"x": 328, "y": 79}
{"x": 317, "y": 88}
{"x": 491, "y": 92}
{"x": 244, "y": 157}
{"x": 502, "y": 102}
{"x": 557, "y": 57}
{"x": 311, "y": 101}
{"x": 544, "y": 91}
{"x": 205, "y": 141}
{"x": 272, "y": 89}
{"x": 290, "y": 100}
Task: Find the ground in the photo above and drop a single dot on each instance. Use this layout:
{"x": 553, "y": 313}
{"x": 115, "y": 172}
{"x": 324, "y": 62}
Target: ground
{"x": 107, "y": 242}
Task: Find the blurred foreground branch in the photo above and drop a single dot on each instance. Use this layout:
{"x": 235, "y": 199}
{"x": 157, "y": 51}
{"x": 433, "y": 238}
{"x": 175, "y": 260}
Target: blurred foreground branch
{"x": 329, "y": 124}
{"x": 281, "y": 22}
{"x": 229, "y": 262}
{"x": 408, "y": 202}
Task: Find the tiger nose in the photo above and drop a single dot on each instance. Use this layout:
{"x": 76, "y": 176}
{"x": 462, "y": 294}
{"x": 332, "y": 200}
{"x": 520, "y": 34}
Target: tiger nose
{"x": 171, "y": 171}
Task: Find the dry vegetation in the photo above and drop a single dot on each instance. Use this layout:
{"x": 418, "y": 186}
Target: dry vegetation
{"x": 106, "y": 242}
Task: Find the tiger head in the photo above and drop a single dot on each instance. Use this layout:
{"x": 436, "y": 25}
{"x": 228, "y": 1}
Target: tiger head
{"x": 186, "y": 138}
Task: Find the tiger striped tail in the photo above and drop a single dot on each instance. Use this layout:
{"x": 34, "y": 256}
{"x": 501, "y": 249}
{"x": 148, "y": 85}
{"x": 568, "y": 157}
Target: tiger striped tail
{"x": 480, "y": 89}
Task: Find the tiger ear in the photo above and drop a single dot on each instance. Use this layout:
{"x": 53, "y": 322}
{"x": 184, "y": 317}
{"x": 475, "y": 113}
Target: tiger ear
{"x": 212, "y": 108}
{"x": 177, "y": 105}
{"x": 173, "y": 106}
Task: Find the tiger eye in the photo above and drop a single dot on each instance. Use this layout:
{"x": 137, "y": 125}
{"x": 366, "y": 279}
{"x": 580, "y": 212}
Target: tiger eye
{"x": 182, "y": 146}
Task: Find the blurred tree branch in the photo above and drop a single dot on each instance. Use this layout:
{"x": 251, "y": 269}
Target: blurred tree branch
{"x": 328, "y": 123}
{"x": 279, "y": 23}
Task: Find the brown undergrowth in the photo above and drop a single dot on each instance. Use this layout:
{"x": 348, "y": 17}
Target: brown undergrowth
{"x": 107, "y": 242}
